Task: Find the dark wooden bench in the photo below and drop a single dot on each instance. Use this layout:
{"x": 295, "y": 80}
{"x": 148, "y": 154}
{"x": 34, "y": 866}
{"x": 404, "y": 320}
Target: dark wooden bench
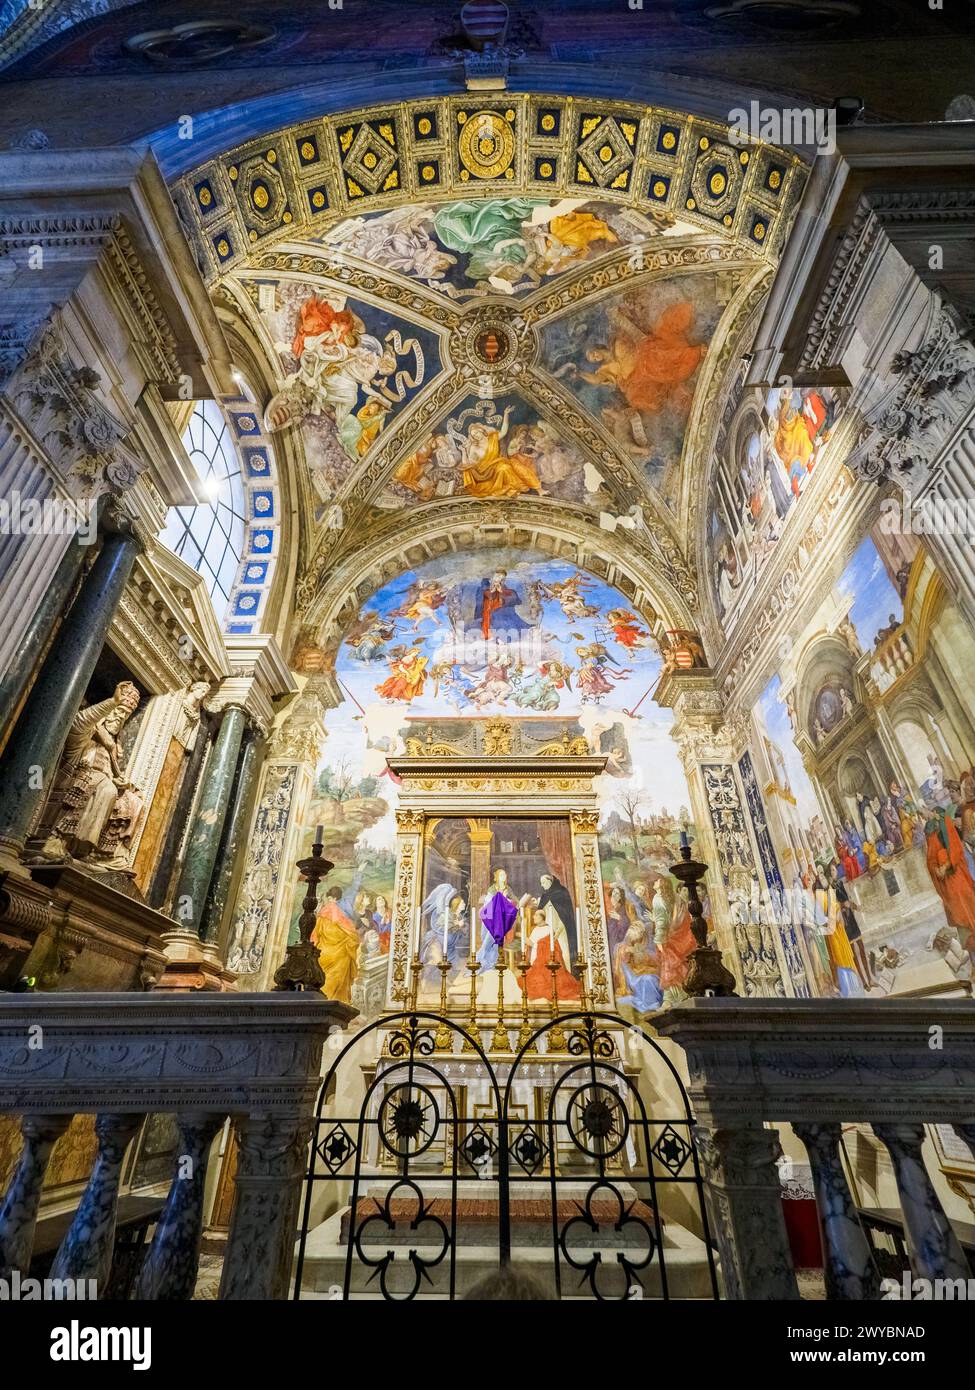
{"x": 889, "y": 1221}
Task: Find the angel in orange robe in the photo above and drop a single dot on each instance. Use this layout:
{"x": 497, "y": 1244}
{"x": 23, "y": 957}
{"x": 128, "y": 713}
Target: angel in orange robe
{"x": 652, "y": 371}
{"x": 316, "y": 317}
{"x": 626, "y": 628}
{"x": 407, "y": 675}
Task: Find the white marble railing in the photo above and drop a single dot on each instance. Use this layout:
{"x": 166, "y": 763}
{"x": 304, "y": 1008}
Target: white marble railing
{"x": 817, "y": 1064}
{"x": 201, "y": 1057}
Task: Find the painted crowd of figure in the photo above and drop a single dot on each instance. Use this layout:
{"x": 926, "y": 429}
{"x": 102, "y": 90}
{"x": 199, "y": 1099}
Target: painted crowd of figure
{"x": 648, "y": 933}
{"x": 352, "y": 926}
{"x": 541, "y": 923}
{"x": 648, "y": 928}
{"x": 581, "y": 667}
{"x": 940, "y": 822}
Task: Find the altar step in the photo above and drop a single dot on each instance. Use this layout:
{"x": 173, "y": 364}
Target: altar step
{"x": 326, "y": 1251}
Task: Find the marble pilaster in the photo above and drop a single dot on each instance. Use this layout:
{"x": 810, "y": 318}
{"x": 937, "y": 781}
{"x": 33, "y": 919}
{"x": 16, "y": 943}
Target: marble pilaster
{"x": 933, "y": 1247}
{"x": 262, "y": 909}
{"x": 167, "y": 859}
{"x": 234, "y": 835}
{"x": 86, "y": 1251}
{"x": 850, "y": 1268}
{"x": 271, "y": 1163}
{"x": 708, "y": 745}
{"x": 31, "y": 756}
{"x": 18, "y": 1212}
{"x": 170, "y": 1267}
{"x": 210, "y": 813}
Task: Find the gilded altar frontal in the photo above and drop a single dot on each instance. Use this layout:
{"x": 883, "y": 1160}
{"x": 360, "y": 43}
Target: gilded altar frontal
{"x": 487, "y": 662}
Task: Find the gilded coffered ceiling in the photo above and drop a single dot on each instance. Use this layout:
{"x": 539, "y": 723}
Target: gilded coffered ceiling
{"x": 494, "y": 299}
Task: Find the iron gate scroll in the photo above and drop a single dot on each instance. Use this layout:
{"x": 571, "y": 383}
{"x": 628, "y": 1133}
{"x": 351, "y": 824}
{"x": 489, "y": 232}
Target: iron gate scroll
{"x": 427, "y": 1186}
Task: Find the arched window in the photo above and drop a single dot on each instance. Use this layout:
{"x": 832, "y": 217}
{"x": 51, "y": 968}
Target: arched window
{"x": 210, "y": 537}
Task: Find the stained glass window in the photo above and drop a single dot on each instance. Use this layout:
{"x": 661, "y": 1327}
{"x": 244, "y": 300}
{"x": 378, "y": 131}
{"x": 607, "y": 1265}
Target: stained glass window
{"x": 210, "y": 537}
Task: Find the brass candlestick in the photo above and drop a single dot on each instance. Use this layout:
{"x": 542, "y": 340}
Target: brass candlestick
{"x": 556, "y": 1035}
{"x": 706, "y": 973}
{"x": 473, "y": 965}
{"x": 301, "y": 968}
{"x": 526, "y": 1030}
{"x": 501, "y": 1042}
{"x": 416, "y": 966}
{"x": 582, "y": 968}
{"x": 444, "y": 1040}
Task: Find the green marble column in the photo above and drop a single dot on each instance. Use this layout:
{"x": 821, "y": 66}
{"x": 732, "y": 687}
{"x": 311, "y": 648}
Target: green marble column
{"x": 31, "y": 756}
{"x": 37, "y": 633}
{"x": 209, "y": 817}
{"x": 234, "y": 832}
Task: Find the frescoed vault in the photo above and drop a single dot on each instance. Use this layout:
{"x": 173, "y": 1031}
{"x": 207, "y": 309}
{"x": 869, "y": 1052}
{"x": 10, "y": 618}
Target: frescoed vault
{"x": 505, "y": 341}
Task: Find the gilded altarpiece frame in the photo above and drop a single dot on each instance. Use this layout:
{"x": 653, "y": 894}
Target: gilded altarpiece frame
{"x": 438, "y": 782}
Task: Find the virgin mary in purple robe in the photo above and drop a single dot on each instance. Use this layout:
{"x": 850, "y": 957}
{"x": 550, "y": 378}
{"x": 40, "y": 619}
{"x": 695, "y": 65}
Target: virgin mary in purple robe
{"x": 497, "y": 917}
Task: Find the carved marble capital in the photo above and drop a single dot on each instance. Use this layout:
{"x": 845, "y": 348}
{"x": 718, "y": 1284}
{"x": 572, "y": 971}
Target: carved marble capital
{"x": 929, "y": 390}
{"x": 259, "y": 677}
{"x": 57, "y": 399}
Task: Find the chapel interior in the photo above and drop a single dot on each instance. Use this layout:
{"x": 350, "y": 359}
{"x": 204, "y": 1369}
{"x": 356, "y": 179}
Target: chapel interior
{"x": 487, "y": 647}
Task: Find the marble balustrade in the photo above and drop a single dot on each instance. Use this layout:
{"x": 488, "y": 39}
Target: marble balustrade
{"x": 256, "y": 1058}
{"x": 818, "y": 1064}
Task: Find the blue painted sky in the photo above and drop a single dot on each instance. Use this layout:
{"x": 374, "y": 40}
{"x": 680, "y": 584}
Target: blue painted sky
{"x": 776, "y": 720}
{"x": 874, "y": 596}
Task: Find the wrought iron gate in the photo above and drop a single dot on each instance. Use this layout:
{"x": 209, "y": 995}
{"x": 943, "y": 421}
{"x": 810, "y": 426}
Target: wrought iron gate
{"x": 428, "y": 1190}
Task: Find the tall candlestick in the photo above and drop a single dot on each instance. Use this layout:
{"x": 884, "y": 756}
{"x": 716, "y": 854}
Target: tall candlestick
{"x": 302, "y": 965}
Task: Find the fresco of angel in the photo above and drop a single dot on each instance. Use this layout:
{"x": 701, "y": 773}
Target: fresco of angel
{"x": 407, "y": 675}
{"x": 423, "y": 598}
{"x": 369, "y": 635}
{"x": 338, "y": 364}
{"x": 593, "y": 679}
{"x": 536, "y": 690}
{"x": 399, "y": 240}
{"x": 570, "y": 596}
{"x": 627, "y": 630}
